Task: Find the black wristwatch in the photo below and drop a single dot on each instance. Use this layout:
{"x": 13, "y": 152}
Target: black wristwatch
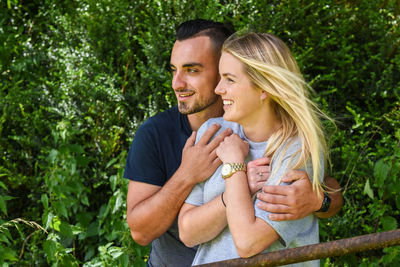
{"x": 325, "y": 204}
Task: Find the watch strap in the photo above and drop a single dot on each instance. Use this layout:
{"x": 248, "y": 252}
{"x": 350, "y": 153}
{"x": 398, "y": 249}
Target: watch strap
{"x": 326, "y": 203}
{"x": 235, "y": 168}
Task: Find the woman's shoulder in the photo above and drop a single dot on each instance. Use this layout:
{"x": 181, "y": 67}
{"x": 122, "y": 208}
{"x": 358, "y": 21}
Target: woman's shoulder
{"x": 291, "y": 146}
{"x": 224, "y": 125}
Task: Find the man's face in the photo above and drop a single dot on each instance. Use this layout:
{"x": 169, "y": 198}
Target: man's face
{"x": 194, "y": 65}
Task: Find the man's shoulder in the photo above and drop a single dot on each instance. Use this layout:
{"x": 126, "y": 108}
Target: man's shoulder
{"x": 165, "y": 116}
{"x": 166, "y": 119}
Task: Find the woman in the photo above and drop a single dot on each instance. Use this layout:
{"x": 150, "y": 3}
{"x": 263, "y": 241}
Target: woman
{"x": 267, "y": 106}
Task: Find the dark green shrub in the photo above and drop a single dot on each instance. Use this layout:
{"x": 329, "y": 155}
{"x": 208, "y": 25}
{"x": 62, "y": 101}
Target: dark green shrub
{"x": 78, "y": 77}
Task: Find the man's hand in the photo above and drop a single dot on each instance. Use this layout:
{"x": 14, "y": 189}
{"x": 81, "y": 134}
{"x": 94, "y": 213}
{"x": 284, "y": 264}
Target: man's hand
{"x": 290, "y": 202}
{"x": 258, "y": 172}
{"x": 200, "y": 160}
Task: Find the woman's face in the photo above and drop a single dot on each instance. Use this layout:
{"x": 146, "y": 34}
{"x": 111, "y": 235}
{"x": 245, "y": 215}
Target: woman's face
{"x": 243, "y": 102}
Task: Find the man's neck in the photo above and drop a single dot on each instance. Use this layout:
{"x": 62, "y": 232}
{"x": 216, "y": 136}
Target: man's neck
{"x": 197, "y": 119}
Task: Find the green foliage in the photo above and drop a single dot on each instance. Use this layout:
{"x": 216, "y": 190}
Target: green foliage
{"x": 78, "y": 77}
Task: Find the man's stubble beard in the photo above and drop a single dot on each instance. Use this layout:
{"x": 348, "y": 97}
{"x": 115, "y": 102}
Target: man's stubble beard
{"x": 197, "y": 106}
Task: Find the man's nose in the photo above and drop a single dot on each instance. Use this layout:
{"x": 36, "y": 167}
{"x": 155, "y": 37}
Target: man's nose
{"x": 178, "y": 81}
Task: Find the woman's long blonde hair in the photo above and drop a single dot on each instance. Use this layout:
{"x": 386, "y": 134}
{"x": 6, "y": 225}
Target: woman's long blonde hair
{"x": 271, "y": 67}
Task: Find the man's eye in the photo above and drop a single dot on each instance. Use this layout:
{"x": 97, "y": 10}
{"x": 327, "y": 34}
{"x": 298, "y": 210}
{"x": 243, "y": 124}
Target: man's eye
{"x": 192, "y": 70}
{"x": 230, "y": 80}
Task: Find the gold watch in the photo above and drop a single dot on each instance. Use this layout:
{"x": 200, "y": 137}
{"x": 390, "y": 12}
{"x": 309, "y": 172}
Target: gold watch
{"x": 228, "y": 169}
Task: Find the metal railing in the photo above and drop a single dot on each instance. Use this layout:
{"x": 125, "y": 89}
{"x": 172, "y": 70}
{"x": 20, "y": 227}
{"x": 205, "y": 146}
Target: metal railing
{"x": 318, "y": 251}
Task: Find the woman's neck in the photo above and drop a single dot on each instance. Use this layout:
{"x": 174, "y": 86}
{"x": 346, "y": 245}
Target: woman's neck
{"x": 262, "y": 127}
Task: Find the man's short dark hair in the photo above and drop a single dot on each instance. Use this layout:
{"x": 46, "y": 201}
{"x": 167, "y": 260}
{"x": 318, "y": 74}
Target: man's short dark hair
{"x": 217, "y": 32}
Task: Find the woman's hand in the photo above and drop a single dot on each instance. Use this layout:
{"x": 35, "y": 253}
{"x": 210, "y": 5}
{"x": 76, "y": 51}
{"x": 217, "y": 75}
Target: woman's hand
{"x": 258, "y": 172}
{"x": 233, "y": 149}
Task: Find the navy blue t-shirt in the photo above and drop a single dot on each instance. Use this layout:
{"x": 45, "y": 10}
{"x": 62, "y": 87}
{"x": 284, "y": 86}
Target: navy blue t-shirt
{"x": 154, "y": 156}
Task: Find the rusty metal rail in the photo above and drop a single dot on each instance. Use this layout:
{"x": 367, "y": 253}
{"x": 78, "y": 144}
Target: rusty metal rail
{"x": 318, "y": 251}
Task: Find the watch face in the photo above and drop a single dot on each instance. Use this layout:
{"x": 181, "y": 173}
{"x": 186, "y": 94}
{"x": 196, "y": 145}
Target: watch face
{"x": 226, "y": 169}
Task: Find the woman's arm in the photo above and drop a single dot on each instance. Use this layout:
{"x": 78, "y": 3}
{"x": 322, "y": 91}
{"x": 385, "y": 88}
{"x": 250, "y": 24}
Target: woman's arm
{"x": 199, "y": 224}
{"x": 250, "y": 234}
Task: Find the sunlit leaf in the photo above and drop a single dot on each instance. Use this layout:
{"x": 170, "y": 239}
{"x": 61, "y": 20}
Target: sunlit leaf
{"x": 368, "y": 190}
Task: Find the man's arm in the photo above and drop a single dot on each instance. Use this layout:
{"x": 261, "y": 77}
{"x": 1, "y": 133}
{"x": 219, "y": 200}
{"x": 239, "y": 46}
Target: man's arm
{"x": 151, "y": 209}
{"x": 298, "y": 199}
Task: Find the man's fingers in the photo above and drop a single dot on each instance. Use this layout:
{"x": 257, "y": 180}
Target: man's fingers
{"x": 208, "y": 134}
{"x": 272, "y": 198}
{"x": 216, "y": 163}
{"x": 219, "y": 138}
{"x": 294, "y": 175}
{"x": 191, "y": 140}
{"x": 273, "y": 208}
{"x": 260, "y": 162}
{"x": 275, "y": 189}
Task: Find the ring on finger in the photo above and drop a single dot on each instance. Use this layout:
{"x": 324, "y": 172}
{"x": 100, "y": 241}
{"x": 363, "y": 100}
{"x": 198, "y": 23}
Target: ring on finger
{"x": 260, "y": 174}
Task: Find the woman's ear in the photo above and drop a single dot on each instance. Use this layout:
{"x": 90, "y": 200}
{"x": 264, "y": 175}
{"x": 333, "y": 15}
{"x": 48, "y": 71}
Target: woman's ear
{"x": 263, "y": 95}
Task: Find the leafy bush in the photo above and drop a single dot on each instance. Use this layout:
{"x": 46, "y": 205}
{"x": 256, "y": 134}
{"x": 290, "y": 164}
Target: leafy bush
{"x": 78, "y": 77}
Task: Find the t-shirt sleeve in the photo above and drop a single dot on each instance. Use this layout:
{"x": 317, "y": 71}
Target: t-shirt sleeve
{"x": 143, "y": 161}
{"x": 196, "y": 196}
{"x": 287, "y": 230}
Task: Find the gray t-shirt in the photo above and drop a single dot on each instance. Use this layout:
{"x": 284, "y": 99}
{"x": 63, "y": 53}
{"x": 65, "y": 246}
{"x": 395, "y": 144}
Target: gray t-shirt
{"x": 292, "y": 233}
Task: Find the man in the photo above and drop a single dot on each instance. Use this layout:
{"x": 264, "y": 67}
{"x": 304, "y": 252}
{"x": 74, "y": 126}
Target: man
{"x": 164, "y": 163}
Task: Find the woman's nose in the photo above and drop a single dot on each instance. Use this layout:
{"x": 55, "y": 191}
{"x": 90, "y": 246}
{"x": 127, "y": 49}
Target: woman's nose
{"x": 219, "y": 89}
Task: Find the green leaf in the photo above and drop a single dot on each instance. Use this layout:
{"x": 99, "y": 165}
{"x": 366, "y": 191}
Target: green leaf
{"x": 50, "y": 248}
{"x": 368, "y": 190}
{"x": 45, "y": 201}
{"x": 85, "y": 200}
{"x": 397, "y": 134}
{"x": 124, "y": 260}
{"x": 60, "y": 207}
{"x": 118, "y": 203}
{"x": 46, "y": 219}
{"x": 2, "y": 184}
{"x": 111, "y": 162}
{"x": 381, "y": 171}
{"x": 53, "y": 155}
{"x": 66, "y": 229}
{"x": 8, "y": 254}
{"x": 388, "y": 223}
{"x": 93, "y": 229}
{"x": 115, "y": 252}
{"x": 3, "y": 206}
{"x": 55, "y": 223}
{"x": 113, "y": 182}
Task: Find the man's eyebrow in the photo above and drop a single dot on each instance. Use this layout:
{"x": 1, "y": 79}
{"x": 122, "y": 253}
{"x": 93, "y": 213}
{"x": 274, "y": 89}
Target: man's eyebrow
{"x": 188, "y": 65}
{"x": 192, "y": 64}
